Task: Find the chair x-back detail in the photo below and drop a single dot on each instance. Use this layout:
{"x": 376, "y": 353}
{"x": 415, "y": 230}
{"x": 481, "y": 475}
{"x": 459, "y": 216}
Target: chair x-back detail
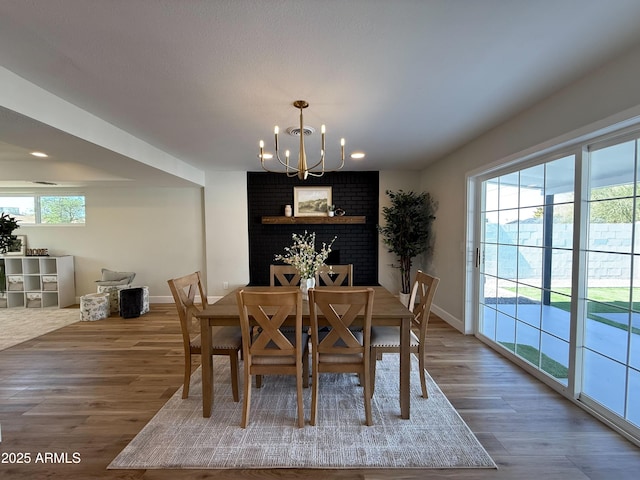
{"x": 267, "y": 346}
{"x": 387, "y": 339}
{"x": 226, "y": 340}
{"x": 335, "y": 276}
{"x": 340, "y": 349}
{"x": 283, "y": 275}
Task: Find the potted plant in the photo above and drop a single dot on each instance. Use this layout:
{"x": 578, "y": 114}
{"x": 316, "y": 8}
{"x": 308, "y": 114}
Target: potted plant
{"x": 7, "y": 225}
{"x": 407, "y": 230}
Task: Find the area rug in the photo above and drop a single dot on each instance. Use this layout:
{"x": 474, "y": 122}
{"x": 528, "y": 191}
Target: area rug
{"x": 21, "y": 324}
{"x": 179, "y": 437}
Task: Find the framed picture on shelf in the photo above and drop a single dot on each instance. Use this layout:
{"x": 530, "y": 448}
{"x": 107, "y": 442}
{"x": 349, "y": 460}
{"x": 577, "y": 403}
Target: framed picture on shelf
{"x": 18, "y": 247}
{"x": 311, "y": 201}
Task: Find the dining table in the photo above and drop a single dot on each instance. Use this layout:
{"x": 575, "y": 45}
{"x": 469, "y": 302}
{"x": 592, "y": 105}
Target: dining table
{"x": 387, "y": 310}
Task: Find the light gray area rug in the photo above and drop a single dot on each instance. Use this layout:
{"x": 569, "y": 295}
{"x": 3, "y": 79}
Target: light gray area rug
{"x": 179, "y": 437}
{"x": 18, "y": 325}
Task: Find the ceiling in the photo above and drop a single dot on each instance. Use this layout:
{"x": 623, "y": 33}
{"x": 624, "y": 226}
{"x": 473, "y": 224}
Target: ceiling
{"x": 143, "y": 91}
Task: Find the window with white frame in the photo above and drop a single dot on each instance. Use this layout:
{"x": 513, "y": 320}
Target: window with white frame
{"x": 36, "y": 209}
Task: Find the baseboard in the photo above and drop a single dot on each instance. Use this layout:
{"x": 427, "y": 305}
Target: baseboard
{"x": 447, "y": 317}
{"x": 161, "y": 299}
{"x": 169, "y": 299}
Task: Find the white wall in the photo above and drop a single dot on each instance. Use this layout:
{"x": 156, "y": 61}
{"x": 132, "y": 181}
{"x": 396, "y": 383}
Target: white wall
{"x": 227, "y": 231}
{"x": 155, "y": 232}
{"x": 606, "y": 95}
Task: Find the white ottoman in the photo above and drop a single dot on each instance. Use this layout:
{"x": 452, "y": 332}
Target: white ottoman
{"x": 145, "y": 300}
{"x": 114, "y": 295}
{"x": 94, "y": 306}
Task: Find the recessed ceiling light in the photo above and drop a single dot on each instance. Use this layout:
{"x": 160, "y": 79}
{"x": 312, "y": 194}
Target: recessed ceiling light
{"x": 357, "y": 155}
{"x": 267, "y": 156}
{"x": 39, "y": 154}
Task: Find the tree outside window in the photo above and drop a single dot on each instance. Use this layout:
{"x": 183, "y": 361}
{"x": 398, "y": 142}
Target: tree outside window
{"x": 62, "y": 209}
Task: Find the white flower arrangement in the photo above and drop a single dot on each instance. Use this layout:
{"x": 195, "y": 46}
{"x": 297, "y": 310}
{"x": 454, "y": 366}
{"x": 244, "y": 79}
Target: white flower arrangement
{"x": 303, "y": 256}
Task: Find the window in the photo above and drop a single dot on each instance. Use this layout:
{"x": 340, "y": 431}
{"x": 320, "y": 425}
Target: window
{"x": 45, "y": 209}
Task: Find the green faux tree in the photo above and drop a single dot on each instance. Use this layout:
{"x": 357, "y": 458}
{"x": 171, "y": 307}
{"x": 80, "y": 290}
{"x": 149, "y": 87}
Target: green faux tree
{"x": 407, "y": 230}
{"x": 7, "y": 225}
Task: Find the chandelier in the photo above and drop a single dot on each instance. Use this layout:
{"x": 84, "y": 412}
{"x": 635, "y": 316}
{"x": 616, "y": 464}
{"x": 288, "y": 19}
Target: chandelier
{"x": 302, "y": 171}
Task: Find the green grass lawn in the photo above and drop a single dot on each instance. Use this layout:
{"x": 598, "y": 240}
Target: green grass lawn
{"x": 602, "y": 300}
{"x": 543, "y": 362}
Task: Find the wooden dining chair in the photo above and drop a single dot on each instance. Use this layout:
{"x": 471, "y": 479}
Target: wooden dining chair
{"x": 268, "y": 348}
{"x": 335, "y": 276}
{"x": 340, "y": 349}
{"x": 283, "y": 275}
{"x": 225, "y": 340}
{"x": 387, "y": 339}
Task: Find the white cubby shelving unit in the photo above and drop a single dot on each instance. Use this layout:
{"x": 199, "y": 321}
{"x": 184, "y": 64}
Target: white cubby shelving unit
{"x": 38, "y": 282}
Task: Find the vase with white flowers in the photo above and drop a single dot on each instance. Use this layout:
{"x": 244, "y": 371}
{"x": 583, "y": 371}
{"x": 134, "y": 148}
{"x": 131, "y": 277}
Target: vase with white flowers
{"x": 302, "y": 255}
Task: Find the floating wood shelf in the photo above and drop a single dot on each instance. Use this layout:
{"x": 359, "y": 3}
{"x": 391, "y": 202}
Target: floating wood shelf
{"x": 313, "y": 220}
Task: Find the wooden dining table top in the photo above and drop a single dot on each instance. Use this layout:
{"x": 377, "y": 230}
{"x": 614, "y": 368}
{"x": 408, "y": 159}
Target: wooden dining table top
{"x": 385, "y": 304}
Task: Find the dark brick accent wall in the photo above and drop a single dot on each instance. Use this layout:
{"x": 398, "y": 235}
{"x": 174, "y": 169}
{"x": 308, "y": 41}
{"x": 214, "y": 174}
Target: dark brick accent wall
{"x": 355, "y": 192}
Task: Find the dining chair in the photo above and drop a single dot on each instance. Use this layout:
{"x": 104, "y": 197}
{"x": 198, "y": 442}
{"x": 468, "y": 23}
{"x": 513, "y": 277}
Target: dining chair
{"x": 267, "y": 347}
{"x": 283, "y": 275}
{"x": 387, "y": 339}
{"x": 340, "y": 349}
{"x": 335, "y": 276}
{"x": 225, "y": 340}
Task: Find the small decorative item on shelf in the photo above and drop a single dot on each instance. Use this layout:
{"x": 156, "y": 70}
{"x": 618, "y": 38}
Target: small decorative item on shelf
{"x": 339, "y": 212}
{"x": 331, "y": 210}
{"x": 17, "y": 247}
{"x": 37, "y": 252}
{"x": 303, "y": 256}
{"x": 288, "y": 211}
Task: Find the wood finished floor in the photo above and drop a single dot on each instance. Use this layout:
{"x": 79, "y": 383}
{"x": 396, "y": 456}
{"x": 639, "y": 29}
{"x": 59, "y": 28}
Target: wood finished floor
{"x": 90, "y": 387}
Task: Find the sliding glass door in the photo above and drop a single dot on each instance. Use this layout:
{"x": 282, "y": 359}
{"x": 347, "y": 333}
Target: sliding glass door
{"x": 558, "y": 272}
{"x": 525, "y": 272}
{"x": 611, "y": 354}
